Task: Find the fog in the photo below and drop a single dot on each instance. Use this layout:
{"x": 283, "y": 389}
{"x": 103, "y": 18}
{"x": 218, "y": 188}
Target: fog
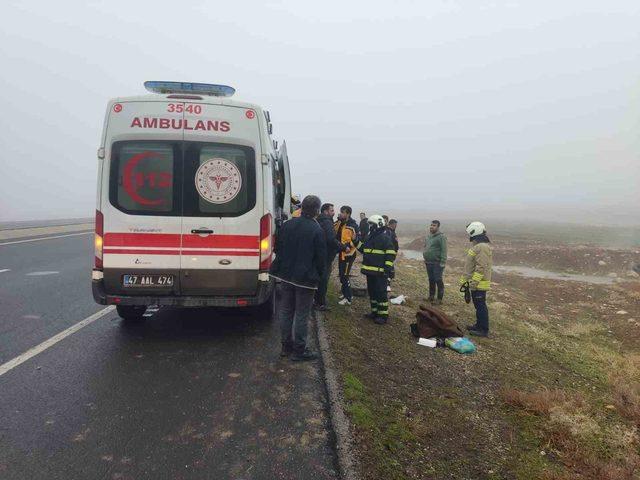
{"x": 524, "y": 110}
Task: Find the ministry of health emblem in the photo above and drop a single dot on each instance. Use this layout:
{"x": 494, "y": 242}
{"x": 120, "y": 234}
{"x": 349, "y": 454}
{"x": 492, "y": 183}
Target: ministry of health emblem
{"x": 218, "y": 180}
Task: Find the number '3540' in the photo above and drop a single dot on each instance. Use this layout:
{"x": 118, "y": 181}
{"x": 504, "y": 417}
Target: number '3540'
{"x": 181, "y": 107}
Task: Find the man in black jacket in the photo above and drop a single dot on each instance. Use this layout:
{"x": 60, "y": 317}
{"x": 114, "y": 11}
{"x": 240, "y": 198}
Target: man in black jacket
{"x": 364, "y": 226}
{"x": 300, "y": 264}
{"x": 333, "y": 246}
{"x": 377, "y": 263}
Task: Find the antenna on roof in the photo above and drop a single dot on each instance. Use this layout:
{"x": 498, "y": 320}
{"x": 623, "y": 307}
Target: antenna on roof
{"x": 184, "y": 87}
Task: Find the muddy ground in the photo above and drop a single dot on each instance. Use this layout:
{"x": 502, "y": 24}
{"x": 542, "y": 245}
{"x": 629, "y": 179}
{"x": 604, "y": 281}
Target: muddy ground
{"x": 553, "y": 393}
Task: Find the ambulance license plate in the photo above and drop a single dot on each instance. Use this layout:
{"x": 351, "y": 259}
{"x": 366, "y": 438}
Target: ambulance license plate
{"x": 147, "y": 280}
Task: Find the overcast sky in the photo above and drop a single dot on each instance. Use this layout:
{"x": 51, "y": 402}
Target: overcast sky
{"x": 514, "y": 108}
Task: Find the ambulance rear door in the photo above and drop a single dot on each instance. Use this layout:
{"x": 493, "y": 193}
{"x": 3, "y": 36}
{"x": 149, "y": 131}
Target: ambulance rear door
{"x": 284, "y": 180}
{"x": 222, "y": 200}
{"x": 141, "y": 200}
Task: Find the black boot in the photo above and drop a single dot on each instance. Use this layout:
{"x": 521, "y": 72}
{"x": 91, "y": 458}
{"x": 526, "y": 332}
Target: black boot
{"x": 287, "y": 349}
{"x": 369, "y": 316}
{"x": 476, "y": 332}
{"x": 303, "y": 355}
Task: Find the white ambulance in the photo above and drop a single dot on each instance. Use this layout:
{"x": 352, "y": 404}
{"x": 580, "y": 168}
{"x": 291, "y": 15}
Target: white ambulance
{"x": 191, "y": 188}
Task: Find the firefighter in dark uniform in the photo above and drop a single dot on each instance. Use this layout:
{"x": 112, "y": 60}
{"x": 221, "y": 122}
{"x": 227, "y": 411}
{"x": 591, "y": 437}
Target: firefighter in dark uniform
{"x": 378, "y": 255}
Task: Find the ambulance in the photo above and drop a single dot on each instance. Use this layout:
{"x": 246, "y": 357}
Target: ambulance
{"x": 191, "y": 191}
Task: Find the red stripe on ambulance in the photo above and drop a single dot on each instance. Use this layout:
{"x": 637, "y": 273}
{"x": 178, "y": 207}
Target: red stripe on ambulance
{"x": 209, "y": 253}
{"x": 173, "y": 240}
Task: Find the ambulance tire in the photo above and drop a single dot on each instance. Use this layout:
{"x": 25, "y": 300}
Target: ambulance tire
{"x": 268, "y": 308}
{"x": 131, "y": 314}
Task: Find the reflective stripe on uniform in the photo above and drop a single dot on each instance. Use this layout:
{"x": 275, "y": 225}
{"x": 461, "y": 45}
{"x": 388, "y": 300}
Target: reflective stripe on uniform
{"x": 471, "y": 253}
{"x": 484, "y": 285}
{"x": 389, "y": 263}
{"x": 476, "y": 277}
{"x": 390, "y": 252}
{"x": 372, "y": 269}
{"x": 371, "y": 250}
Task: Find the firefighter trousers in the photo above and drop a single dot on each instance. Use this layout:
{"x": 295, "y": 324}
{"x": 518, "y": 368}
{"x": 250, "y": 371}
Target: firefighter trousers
{"x": 377, "y": 289}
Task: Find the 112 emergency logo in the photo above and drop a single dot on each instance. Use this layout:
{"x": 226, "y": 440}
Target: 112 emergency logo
{"x": 218, "y": 181}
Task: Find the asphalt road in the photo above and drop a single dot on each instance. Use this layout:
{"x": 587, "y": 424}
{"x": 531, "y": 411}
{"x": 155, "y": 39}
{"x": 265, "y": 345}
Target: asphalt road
{"x": 190, "y": 394}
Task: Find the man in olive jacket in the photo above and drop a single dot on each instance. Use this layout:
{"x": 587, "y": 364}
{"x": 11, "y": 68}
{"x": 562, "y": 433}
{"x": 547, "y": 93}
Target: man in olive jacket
{"x": 435, "y": 259}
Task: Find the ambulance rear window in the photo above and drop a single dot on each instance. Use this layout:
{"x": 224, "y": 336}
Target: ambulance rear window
{"x": 143, "y": 176}
{"x": 219, "y": 180}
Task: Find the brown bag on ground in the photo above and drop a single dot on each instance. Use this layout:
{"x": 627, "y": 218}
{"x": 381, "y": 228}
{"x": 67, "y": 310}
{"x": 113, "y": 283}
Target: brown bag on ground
{"x": 435, "y": 323}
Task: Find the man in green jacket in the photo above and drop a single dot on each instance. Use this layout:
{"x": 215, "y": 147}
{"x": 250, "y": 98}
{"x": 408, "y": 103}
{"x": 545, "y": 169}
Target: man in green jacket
{"x": 435, "y": 258}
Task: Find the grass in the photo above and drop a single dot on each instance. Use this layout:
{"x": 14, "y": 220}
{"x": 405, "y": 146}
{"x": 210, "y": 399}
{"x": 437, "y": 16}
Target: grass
{"x": 552, "y": 395}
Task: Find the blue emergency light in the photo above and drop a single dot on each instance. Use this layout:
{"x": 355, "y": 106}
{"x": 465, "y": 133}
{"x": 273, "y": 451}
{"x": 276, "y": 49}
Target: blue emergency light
{"x": 183, "y": 87}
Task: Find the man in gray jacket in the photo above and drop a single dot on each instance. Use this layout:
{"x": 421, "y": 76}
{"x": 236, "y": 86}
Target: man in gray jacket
{"x": 435, "y": 258}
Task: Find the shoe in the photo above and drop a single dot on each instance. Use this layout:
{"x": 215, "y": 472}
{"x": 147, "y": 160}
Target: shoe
{"x": 341, "y": 296}
{"x": 304, "y": 356}
{"x": 471, "y": 327}
{"x": 369, "y": 316}
{"x": 322, "y": 308}
{"x": 414, "y": 330}
{"x": 478, "y": 333}
{"x": 388, "y": 288}
{"x": 344, "y": 301}
{"x": 380, "y": 320}
{"x": 287, "y": 349}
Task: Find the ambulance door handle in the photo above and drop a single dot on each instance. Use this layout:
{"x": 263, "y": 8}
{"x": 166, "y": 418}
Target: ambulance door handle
{"x": 202, "y": 231}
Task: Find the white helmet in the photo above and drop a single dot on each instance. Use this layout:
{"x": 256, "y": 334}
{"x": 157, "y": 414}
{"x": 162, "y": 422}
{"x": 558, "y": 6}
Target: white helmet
{"x": 376, "y": 220}
{"x": 476, "y": 228}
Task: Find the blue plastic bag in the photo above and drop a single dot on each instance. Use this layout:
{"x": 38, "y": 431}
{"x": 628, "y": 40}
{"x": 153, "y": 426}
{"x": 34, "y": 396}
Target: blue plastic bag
{"x": 460, "y": 344}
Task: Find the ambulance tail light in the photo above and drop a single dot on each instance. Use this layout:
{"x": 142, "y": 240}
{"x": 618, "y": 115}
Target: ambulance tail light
{"x": 98, "y": 240}
{"x": 266, "y": 242}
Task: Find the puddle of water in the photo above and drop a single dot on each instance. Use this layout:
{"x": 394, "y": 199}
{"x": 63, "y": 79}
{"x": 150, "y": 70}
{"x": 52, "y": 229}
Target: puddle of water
{"x": 530, "y": 272}
{"x": 412, "y": 254}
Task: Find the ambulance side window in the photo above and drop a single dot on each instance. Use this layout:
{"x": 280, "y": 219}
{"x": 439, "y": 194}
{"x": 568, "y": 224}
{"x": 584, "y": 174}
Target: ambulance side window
{"x": 143, "y": 178}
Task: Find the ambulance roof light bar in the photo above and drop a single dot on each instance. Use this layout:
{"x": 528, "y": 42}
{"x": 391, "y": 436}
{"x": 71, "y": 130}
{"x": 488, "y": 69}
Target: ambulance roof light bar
{"x": 184, "y": 87}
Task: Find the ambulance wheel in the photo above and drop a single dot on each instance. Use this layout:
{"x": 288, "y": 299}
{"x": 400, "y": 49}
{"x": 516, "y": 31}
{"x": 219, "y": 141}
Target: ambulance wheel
{"x": 268, "y": 308}
{"x": 131, "y": 313}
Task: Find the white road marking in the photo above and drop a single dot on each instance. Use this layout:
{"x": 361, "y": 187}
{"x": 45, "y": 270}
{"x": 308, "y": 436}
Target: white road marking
{"x": 40, "y": 274}
{"x": 151, "y": 311}
{"x": 32, "y": 352}
{"x": 46, "y": 238}
{"x": 5, "y": 270}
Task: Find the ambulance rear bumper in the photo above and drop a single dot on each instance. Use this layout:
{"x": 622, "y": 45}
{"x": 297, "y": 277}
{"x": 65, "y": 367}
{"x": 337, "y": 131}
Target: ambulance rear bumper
{"x": 263, "y": 294}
